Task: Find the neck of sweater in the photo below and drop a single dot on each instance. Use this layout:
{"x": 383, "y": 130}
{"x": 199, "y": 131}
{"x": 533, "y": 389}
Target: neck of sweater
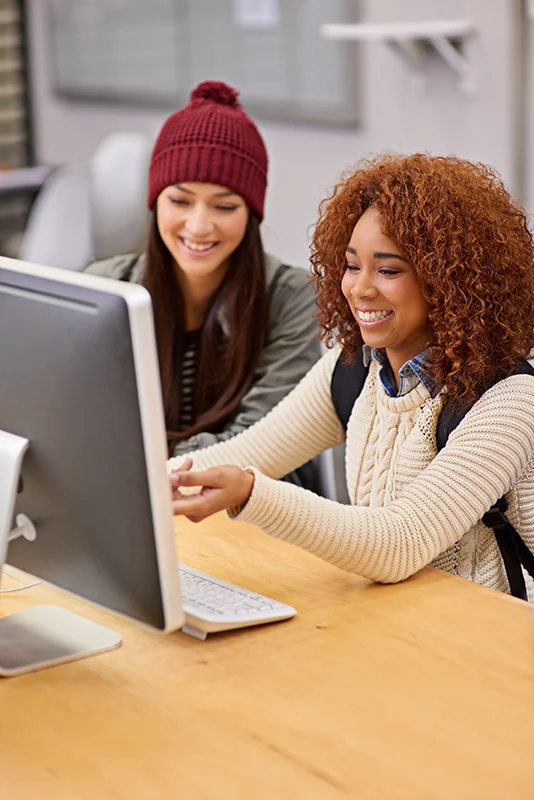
{"x": 408, "y": 402}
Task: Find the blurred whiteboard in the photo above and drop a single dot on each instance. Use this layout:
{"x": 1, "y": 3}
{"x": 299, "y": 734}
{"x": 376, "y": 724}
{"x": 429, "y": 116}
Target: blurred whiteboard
{"x": 155, "y": 51}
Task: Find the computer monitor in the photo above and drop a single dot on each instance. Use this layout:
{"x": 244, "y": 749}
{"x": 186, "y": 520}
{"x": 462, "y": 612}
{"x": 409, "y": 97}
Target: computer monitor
{"x": 84, "y": 493}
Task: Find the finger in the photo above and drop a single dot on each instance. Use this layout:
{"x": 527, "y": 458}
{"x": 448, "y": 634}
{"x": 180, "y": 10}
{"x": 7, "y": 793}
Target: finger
{"x": 178, "y": 463}
{"x": 195, "y": 505}
{"x": 185, "y": 467}
{"x": 179, "y": 490}
{"x": 208, "y": 477}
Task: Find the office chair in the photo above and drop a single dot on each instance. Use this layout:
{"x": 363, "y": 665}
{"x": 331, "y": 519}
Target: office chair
{"x": 91, "y": 210}
{"x": 331, "y": 466}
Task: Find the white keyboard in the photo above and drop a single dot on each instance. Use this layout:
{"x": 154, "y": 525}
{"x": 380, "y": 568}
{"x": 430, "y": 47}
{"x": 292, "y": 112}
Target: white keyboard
{"x": 211, "y": 604}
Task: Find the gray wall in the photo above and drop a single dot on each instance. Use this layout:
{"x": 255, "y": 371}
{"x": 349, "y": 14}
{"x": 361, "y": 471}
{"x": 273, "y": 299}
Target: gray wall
{"x": 304, "y": 161}
{"x": 484, "y": 126}
{"x": 490, "y": 126}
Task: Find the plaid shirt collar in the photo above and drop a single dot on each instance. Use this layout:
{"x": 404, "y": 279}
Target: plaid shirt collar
{"x": 410, "y": 374}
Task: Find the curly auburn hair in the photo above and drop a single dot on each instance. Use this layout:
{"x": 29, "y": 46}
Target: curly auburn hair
{"x": 470, "y": 247}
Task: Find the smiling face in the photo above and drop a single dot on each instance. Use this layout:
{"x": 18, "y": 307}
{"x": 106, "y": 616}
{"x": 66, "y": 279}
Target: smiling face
{"x": 201, "y": 224}
{"x": 384, "y": 294}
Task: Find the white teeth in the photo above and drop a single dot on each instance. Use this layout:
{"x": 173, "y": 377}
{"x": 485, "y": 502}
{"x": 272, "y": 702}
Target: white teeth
{"x": 198, "y": 247}
{"x": 373, "y": 316}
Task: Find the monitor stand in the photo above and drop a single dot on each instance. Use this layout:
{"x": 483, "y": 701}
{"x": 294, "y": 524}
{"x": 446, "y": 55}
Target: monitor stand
{"x": 41, "y": 636}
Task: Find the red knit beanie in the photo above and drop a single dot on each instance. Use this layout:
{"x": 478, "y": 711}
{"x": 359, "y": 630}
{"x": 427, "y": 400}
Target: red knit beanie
{"x": 211, "y": 140}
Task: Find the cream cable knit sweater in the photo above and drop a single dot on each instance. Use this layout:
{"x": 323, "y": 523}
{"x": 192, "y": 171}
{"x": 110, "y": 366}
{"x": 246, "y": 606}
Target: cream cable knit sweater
{"x": 412, "y": 507}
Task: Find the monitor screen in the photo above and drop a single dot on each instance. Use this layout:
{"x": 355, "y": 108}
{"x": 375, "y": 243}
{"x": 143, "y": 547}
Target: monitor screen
{"x": 80, "y": 381}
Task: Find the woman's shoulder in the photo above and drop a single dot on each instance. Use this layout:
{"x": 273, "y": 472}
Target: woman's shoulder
{"x": 516, "y": 391}
{"x": 125, "y": 267}
{"x": 291, "y": 314}
{"x": 281, "y": 275}
{"x": 289, "y": 288}
{"x": 506, "y": 408}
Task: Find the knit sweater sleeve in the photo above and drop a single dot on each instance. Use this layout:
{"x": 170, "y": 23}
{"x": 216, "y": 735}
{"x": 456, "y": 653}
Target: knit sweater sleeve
{"x": 485, "y": 456}
{"x": 302, "y": 425}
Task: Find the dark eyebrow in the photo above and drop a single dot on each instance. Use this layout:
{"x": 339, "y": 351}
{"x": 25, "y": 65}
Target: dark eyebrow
{"x": 378, "y": 254}
{"x": 182, "y": 188}
{"x": 388, "y": 255}
{"x": 218, "y": 194}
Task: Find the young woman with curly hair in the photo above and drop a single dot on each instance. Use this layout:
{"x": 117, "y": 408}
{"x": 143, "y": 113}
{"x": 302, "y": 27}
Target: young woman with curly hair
{"x": 424, "y": 269}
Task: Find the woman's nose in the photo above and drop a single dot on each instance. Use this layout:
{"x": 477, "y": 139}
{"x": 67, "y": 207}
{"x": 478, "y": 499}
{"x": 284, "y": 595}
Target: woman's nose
{"x": 363, "y": 287}
{"x": 199, "y": 222}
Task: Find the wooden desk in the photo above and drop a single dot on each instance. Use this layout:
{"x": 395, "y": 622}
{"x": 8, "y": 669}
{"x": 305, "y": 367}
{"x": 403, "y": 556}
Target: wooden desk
{"x": 421, "y": 690}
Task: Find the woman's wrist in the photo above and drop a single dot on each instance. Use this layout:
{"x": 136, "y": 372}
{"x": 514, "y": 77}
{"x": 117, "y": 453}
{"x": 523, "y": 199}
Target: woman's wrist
{"x": 233, "y": 511}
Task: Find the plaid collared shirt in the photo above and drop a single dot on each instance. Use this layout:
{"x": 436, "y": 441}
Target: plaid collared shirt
{"x": 410, "y": 374}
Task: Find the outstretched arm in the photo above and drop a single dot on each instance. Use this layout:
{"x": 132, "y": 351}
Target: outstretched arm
{"x": 483, "y": 458}
{"x": 301, "y": 426}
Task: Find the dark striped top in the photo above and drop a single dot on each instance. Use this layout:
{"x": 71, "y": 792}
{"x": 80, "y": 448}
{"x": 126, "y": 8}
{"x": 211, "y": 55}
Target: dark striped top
{"x": 188, "y": 379}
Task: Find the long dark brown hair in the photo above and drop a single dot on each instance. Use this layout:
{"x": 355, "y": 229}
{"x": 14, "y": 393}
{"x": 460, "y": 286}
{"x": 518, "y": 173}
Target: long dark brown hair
{"x": 226, "y": 360}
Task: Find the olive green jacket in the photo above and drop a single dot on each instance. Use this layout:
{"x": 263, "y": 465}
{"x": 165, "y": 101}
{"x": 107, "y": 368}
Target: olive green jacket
{"x": 291, "y": 349}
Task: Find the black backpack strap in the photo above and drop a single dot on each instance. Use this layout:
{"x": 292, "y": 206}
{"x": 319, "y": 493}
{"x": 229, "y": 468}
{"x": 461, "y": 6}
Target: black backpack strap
{"x": 514, "y": 551}
{"x": 515, "y": 554}
{"x": 346, "y": 386}
{"x": 449, "y": 419}
{"x": 453, "y": 413}
{"x": 523, "y": 368}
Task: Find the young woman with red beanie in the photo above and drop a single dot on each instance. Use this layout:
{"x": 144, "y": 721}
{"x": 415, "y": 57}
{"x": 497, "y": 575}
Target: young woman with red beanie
{"x": 235, "y": 328}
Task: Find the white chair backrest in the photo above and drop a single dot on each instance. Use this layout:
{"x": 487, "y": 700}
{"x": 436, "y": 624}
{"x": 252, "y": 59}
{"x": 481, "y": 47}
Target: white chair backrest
{"x": 118, "y": 187}
{"x": 92, "y": 210}
{"x": 58, "y": 230}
